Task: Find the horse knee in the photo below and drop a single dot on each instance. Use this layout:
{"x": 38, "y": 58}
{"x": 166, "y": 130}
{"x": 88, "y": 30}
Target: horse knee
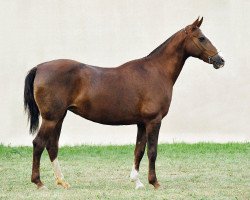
{"x": 139, "y": 153}
{"x": 152, "y": 154}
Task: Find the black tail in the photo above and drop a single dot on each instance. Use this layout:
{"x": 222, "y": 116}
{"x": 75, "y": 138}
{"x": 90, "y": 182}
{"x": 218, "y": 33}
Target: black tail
{"x": 30, "y": 105}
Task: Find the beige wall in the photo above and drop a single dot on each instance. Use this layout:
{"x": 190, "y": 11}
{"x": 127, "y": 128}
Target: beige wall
{"x": 208, "y": 104}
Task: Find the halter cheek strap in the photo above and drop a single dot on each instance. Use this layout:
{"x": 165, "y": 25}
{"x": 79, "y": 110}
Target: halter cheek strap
{"x": 207, "y": 53}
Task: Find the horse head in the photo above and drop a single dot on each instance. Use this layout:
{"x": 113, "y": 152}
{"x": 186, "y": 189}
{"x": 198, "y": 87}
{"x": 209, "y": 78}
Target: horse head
{"x": 199, "y": 46}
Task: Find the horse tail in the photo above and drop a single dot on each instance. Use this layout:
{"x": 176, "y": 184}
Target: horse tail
{"x": 30, "y": 105}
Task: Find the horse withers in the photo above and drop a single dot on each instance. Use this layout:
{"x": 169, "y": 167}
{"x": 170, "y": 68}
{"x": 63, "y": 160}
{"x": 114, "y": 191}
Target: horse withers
{"x": 137, "y": 92}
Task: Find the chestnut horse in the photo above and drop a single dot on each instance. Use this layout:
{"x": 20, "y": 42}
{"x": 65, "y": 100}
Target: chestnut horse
{"x": 137, "y": 92}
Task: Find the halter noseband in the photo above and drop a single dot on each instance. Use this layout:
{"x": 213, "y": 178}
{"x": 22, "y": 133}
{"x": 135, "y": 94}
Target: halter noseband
{"x": 202, "y": 48}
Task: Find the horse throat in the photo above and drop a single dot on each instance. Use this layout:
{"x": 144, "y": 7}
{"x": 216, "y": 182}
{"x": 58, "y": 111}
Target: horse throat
{"x": 174, "y": 66}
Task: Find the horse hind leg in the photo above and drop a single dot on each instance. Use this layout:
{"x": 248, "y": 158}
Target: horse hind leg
{"x": 39, "y": 144}
{"x": 48, "y": 136}
{"x": 52, "y": 148}
{"x": 138, "y": 153}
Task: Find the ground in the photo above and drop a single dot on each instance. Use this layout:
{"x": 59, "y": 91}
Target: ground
{"x": 185, "y": 171}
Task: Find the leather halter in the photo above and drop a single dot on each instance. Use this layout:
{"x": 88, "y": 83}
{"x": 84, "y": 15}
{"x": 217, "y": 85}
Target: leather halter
{"x": 207, "y": 53}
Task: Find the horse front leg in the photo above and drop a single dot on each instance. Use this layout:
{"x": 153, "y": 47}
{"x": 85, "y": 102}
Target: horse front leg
{"x": 138, "y": 153}
{"x": 152, "y": 133}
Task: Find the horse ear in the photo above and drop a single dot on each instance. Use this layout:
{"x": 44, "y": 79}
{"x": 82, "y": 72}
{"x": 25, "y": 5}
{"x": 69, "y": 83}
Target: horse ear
{"x": 200, "y": 22}
{"x": 194, "y": 24}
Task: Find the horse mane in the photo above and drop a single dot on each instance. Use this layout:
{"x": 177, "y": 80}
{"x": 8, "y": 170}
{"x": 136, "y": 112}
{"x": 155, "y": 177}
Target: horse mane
{"x": 161, "y": 46}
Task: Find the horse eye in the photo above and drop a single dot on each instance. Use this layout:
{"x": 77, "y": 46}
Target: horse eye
{"x": 201, "y": 39}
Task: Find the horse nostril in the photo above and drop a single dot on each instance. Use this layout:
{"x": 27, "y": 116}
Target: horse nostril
{"x": 222, "y": 60}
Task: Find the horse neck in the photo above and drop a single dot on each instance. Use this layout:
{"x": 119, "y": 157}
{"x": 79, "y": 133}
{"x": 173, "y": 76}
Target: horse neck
{"x": 171, "y": 57}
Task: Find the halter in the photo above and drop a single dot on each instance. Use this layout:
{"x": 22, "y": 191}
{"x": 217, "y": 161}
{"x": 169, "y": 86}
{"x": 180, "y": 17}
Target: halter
{"x": 210, "y": 54}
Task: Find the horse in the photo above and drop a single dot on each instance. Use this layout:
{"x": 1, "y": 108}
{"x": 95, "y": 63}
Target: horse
{"x": 138, "y": 92}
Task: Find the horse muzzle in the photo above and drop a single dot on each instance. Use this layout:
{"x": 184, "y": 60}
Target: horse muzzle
{"x": 217, "y": 61}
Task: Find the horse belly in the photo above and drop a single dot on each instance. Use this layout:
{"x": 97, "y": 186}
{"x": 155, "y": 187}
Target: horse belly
{"x": 107, "y": 110}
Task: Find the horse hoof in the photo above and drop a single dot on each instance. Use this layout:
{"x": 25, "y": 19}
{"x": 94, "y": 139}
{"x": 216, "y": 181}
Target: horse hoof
{"x": 63, "y": 183}
{"x": 157, "y": 186}
{"x": 139, "y": 186}
{"x": 43, "y": 187}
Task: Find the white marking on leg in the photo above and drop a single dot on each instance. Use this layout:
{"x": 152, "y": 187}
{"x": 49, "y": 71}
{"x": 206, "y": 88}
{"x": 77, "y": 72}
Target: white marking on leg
{"x": 58, "y": 174}
{"x": 57, "y": 169}
{"x": 134, "y": 176}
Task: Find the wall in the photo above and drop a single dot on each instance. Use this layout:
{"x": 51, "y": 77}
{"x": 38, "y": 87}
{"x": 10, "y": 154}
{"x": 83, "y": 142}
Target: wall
{"x": 208, "y": 104}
